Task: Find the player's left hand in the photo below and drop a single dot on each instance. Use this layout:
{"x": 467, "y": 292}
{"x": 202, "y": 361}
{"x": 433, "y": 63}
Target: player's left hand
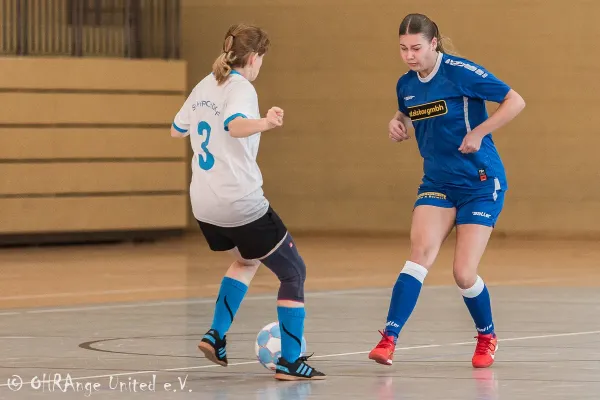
{"x": 471, "y": 143}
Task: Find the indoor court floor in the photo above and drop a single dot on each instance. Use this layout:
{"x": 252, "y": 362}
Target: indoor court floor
{"x": 109, "y": 317}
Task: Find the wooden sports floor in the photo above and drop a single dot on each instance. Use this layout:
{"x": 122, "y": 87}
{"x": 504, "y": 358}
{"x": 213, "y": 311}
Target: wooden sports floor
{"x": 122, "y": 321}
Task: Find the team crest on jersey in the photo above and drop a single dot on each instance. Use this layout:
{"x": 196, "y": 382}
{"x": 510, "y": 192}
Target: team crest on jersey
{"x": 428, "y": 110}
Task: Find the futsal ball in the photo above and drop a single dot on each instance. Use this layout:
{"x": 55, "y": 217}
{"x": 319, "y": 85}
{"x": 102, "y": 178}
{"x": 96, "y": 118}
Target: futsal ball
{"x": 268, "y": 345}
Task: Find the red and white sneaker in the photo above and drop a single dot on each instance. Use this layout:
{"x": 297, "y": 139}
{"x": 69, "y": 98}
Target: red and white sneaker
{"x": 485, "y": 351}
{"x": 383, "y": 353}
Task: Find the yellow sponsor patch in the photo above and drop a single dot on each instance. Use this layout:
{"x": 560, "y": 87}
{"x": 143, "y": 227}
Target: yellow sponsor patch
{"x": 431, "y": 195}
{"x": 428, "y": 110}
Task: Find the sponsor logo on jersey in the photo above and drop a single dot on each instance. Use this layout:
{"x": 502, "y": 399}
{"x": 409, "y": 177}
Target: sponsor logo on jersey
{"x": 481, "y": 214}
{"x": 428, "y": 110}
{"x": 407, "y": 98}
{"x": 468, "y": 66}
{"x": 431, "y": 195}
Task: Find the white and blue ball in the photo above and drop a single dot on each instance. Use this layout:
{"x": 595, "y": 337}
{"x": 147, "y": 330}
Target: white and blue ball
{"x": 268, "y": 345}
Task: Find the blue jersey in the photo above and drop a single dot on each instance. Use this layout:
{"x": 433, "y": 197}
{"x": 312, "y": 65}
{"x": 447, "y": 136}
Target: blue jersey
{"x": 443, "y": 108}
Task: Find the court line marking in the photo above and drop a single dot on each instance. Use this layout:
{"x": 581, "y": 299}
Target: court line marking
{"x": 25, "y": 383}
{"x": 156, "y": 289}
{"x": 211, "y": 300}
{"x": 206, "y": 300}
{"x": 191, "y": 288}
{"x": 97, "y": 293}
{"x": 18, "y": 337}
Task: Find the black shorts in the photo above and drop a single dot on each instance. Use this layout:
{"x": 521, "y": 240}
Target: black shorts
{"x": 253, "y": 240}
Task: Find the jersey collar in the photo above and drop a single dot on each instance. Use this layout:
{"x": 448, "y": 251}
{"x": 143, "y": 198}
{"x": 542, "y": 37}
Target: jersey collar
{"x": 435, "y": 69}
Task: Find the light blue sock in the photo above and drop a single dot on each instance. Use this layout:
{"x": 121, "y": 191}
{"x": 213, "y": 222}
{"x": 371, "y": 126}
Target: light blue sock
{"x": 231, "y": 294}
{"x": 291, "y": 324}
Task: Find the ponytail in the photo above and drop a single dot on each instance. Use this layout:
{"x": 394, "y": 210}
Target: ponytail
{"x": 241, "y": 40}
{"x": 222, "y": 65}
{"x": 444, "y": 43}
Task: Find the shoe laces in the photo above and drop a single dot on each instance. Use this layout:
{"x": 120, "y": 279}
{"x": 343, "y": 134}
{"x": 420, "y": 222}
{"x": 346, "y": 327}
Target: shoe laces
{"x": 484, "y": 344}
{"x": 386, "y": 341}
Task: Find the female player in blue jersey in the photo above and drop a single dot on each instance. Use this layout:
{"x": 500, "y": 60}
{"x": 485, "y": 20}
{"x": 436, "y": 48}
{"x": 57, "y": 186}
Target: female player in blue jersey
{"x": 443, "y": 97}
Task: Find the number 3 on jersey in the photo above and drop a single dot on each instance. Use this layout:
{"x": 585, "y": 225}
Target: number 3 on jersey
{"x": 206, "y": 160}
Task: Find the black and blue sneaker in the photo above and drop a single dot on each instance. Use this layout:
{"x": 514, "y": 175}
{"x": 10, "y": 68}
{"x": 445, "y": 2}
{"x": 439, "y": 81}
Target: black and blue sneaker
{"x": 213, "y": 347}
{"x": 296, "y": 371}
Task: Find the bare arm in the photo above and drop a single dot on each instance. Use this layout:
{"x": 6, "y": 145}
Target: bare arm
{"x": 510, "y": 107}
{"x": 397, "y": 127}
{"x": 242, "y": 127}
{"x": 177, "y": 134}
{"x": 238, "y": 128}
{"x": 403, "y": 118}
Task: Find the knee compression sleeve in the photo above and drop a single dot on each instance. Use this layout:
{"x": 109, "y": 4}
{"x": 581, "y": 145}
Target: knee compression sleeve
{"x": 286, "y": 263}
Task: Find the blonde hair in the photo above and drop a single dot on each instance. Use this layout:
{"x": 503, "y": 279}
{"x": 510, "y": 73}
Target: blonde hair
{"x": 241, "y": 41}
{"x": 419, "y": 23}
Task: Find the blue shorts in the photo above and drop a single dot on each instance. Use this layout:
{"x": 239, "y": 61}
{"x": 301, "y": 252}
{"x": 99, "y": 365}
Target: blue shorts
{"x": 471, "y": 208}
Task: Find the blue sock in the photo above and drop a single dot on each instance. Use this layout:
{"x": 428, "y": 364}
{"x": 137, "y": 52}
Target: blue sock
{"x": 477, "y": 299}
{"x": 231, "y": 294}
{"x": 291, "y": 324}
{"x": 404, "y": 297}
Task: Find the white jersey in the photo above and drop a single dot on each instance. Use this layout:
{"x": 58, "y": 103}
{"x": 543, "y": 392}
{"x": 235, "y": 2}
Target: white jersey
{"x": 226, "y": 186}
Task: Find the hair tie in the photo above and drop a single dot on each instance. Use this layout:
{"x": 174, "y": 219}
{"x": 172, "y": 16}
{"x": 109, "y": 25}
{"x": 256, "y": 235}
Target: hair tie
{"x": 226, "y": 48}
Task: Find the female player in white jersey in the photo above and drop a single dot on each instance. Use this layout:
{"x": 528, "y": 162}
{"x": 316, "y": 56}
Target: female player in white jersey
{"x": 222, "y": 118}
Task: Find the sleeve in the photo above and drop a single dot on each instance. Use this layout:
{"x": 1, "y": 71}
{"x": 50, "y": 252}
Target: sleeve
{"x": 476, "y": 82}
{"x": 401, "y": 106}
{"x": 181, "y": 122}
{"x": 242, "y": 101}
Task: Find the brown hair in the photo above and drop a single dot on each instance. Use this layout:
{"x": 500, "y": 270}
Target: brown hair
{"x": 240, "y": 42}
{"x": 419, "y": 23}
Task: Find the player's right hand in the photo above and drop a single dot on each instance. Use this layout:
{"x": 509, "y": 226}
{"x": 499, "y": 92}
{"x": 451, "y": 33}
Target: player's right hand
{"x": 275, "y": 117}
{"x": 398, "y": 131}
